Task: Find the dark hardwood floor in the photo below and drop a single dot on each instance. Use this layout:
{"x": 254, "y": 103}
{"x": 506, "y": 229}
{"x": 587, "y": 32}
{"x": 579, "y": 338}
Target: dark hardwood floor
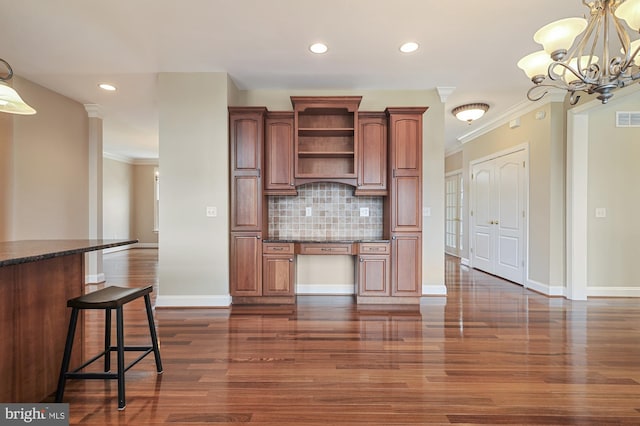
{"x": 488, "y": 353}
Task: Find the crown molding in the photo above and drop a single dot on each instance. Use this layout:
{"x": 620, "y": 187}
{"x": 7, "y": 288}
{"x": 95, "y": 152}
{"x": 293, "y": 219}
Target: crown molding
{"x": 93, "y": 110}
{"x": 117, "y": 157}
{"x": 444, "y": 93}
{"x": 515, "y": 111}
{"x": 146, "y": 161}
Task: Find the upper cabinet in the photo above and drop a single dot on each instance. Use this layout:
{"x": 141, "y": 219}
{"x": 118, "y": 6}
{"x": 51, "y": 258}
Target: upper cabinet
{"x": 372, "y": 154}
{"x": 278, "y": 152}
{"x": 246, "y": 139}
{"x": 325, "y": 138}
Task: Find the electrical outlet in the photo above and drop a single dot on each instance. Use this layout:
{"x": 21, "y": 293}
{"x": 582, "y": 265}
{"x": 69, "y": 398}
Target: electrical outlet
{"x": 307, "y": 211}
{"x": 601, "y": 212}
{"x": 212, "y": 211}
{"x": 364, "y": 211}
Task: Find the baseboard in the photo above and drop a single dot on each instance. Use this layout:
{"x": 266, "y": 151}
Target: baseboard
{"x": 325, "y": 289}
{"x": 613, "y": 291}
{"x": 94, "y": 278}
{"x": 434, "y": 290}
{"x": 196, "y": 301}
{"x": 133, "y": 246}
{"x": 545, "y": 289}
{"x": 145, "y": 245}
{"x": 464, "y": 261}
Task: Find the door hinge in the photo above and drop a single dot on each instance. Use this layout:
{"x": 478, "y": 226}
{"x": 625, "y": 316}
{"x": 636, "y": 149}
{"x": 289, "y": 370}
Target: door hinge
{"x": 471, "y": 212}
{"x": 523, "y": 165}
{"x": 523, "y": 214}
{"x": 471, "y": 176}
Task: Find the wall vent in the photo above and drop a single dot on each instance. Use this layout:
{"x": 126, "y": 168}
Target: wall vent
{"x": 628, "y": 119}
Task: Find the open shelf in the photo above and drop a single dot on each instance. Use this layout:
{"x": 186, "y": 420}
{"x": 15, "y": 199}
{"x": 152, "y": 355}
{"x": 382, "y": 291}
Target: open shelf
{"x": 331, "y": 131}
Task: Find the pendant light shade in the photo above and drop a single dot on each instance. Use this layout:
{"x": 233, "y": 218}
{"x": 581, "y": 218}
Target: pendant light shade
{"x": 557, "y": 37}
{"x": 10, "y": 101}
{"x": 630, "y": 12}
{"x": 470, "y": 112}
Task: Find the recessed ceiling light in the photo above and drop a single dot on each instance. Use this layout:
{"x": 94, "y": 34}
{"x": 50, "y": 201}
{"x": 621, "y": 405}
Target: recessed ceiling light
{"x": 409, "y": 47}
{"x": 318, "y": 48}
{"x": 107, "y": 87}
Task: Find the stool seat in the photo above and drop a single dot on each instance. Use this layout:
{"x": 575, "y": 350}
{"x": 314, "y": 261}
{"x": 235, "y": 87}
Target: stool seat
{"x": 110, "y": 297}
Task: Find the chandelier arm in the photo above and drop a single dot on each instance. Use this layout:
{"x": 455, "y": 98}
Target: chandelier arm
{"x": 560, "y": 77}
{"x": 9, "y": 72}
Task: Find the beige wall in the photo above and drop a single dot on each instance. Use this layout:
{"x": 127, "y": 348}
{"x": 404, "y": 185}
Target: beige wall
{"x": 6, "y": 174}
{"x": 545, "y": 140}
{"x": 50, "y": 167}
{"x": 118, "y": 193}
{"x": 194, "y": 249}
{"x": 613, "y": 182}
{"x": 143, "y": 203}
{"x": 453, "y": 162}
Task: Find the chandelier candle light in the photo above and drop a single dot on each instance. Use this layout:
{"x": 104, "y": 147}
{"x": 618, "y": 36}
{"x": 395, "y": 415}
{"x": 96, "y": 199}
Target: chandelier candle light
{"x": 600, "y": 61}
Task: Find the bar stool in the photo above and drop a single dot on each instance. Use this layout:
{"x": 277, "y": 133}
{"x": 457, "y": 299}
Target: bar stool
{"x": 108, "y": 298}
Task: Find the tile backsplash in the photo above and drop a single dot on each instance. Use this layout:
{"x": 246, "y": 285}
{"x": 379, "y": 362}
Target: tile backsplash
{"x": 335, "y": 214}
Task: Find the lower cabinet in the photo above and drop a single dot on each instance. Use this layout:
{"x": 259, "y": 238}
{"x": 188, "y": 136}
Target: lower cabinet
{"x": 374, "y": 269}
{"x": 406, "y": 264}
{"x": 245, "y": 266}
{"x": 278, "y": 270}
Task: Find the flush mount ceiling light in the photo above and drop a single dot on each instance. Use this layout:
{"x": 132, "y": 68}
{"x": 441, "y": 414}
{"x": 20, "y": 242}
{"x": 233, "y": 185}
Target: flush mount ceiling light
{"x": 409, "y": 47}
{"x": 470, "y": 112}
{"x": 108, "y": 87}
{"x": 599, "y": 69}
{"x": 318, "y": 48}
{"x": 10, "y": 101}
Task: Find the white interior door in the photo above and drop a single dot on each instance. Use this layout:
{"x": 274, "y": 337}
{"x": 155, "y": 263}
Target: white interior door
{"x": 453, "y": 223}
{"x": 499, "y": 214}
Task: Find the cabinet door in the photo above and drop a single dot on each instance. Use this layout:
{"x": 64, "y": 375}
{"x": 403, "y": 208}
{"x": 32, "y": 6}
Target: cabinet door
{"x": 406, "y": 202}
{"x": 278, "y": 275}
{"x": 374, "y": 275}
{"x": 406, "y": 143}
{"x": 279, "y": 161}
{"x": 245, "y": 264}
{"x": 246, "y": 147}
{"x": 406, "y": 265}
{"x": 372, "y": 154}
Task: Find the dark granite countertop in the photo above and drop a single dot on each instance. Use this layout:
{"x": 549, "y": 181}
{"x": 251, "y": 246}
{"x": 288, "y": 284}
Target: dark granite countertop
{"x": 15, "y": 252}
{"x": 275, "y": 240}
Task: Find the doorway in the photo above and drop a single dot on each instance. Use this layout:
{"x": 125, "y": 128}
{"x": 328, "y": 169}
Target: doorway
{"x": 498, "y": 214}
{"x": 453, "y": 234}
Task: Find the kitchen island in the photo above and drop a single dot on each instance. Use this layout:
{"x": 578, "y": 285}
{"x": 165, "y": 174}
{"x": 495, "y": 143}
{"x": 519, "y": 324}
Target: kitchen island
{"x": 37, "y": 277}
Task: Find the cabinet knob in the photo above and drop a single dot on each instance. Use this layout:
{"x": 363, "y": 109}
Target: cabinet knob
{"x": 290, "y": 260}
{"x": 292, "y": 184}
{"x": 361, "y": 260}
{"x": 258, "y": 236}
{"x": 393, "y": 238}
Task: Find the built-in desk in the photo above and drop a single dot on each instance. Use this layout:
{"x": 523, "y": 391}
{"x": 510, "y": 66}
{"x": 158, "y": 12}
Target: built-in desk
{"x": 36, "y": 279}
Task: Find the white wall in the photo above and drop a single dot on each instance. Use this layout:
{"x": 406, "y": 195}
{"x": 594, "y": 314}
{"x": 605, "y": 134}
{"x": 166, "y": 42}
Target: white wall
{"x": 117, "y": 202}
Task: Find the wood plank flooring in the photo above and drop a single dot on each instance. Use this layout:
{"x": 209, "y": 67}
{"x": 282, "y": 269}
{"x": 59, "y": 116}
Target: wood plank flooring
{"x": 489, "y": 353}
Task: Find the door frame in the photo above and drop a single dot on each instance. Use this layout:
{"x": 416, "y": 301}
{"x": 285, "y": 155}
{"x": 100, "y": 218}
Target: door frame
{"x": 471, "y": 197}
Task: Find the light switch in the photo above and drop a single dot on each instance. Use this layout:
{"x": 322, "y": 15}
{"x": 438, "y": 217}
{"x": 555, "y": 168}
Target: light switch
{"x": 212, "y": 211}
{"x": 307, "y": 211}
{"x": 601, "y": 212}
{"x": 426, "y": 211}
{"x": 364, "y": 211}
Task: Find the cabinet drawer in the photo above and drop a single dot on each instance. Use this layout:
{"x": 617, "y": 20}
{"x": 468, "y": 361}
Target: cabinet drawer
{"x": 374, "y": 248}
{"x": 277, "y": 248}
{"x": 326, "y": 248}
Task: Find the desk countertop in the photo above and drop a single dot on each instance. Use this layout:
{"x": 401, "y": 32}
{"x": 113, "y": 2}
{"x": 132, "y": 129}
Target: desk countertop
{"x": 275, "y": 240}
{"x": 24, "y": 251}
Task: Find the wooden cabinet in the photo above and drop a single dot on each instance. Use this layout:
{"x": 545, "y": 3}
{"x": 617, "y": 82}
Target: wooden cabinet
{"x": 278, "y": 268}
{"x": 278, "y": 151}
{"x": 403, "y": 208}
{"x": 372, "y": 154}
{"x": 374, "y": 269}
{"x": 325, "y": 138}
{"x": 406, "y": 264}
{"x": 245, "y": 264}
{"x": 325, "y": 248}
{"x": 246, "y": 141}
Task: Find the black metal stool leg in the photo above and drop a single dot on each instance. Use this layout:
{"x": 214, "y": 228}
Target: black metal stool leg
{"x": 152, "y": 331}
{"x": 120, "y": 333}
{"x": 107, "y": 340}
{"x": 66, "y": 358}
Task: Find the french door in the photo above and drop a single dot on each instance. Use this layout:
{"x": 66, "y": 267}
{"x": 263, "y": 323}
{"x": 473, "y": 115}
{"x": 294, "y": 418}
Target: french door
{"x": 453, "y": 214}
{"x": 498, "y": 216}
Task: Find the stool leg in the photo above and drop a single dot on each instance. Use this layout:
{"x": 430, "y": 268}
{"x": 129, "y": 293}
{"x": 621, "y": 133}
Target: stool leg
{"x": 152, "y": 331}
{"x": 66, "y": 358}
{"x": 120, "y": 333}
{"x": 107, "y": 340}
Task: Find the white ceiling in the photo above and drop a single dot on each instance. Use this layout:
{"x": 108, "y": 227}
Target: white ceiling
{"x": 70, "y": 46}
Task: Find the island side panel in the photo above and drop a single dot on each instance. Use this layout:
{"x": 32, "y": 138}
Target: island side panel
{"x": 41, "y": 322}
{"x": 7, "y": 333}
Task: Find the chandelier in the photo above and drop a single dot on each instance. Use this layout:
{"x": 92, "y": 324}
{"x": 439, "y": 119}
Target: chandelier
{"x": 603, "y": 59}
{"x": 10, "y": 101}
